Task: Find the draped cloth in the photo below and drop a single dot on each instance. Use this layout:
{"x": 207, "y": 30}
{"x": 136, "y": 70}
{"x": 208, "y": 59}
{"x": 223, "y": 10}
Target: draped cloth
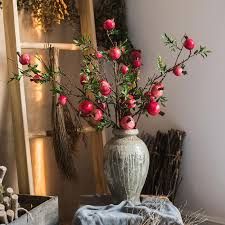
{"x": 153, "y": 210}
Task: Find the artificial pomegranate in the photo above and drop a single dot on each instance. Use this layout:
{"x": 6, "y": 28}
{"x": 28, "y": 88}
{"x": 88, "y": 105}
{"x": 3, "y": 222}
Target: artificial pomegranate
{"x": 137, "y": 63}
{"x": 127, "y": 123}
{"x": 130, "y": 96}
{"x": 124, "y": 69}
{"x": 131, "y": 102}
{"x": 115, "y": 53}
{"x": 177, "y": 71}
{"x": 36, "y": 78}
{"x": 86, "y": 107}
{"x": 24, "y": 59}
{"x": 99, "y": 55}
{"x": 157, "y": 90}
{"x": 105, "y": 88}
{"x": 62, "y": 100}
{"x": 149, "y": 95}
{"x": 136, "y": 54}
{"x": 153, "y": 108}
{"x": 84, "y": 79}
{"x": 189, "y": 43}
{"x": 97, "y": 115}
{"x": 109, "y": 24}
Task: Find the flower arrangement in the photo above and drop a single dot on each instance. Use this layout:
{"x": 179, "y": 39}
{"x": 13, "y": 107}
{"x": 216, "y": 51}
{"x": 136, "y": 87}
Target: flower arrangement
{"x": 112, "y": 97}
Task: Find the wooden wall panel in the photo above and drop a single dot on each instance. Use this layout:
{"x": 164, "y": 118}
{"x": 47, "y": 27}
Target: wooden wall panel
{"x": 19, "y": 114}
{"x": 7, "y": 153}
{"x": 89, "y": 180}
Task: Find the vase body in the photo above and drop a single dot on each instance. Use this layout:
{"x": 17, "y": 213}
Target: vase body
{"x": 126, "y": 164}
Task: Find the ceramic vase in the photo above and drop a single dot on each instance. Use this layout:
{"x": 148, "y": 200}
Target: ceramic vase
{"x": 126, "y": 164}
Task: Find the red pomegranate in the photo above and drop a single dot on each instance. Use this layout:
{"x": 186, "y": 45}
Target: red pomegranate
{"x": 105, "y": 88}
{"x": 84, "y": 79}
{"x": 124, "y": 69}
{"x": 109, "y": 24}
{"x": 86, "y": 107}
{"x": 99, "y": 55}
{"x": 115, "y": 53}
{"x": 62, "y": 100}
{"x": 157, "y": 90}
{"x": 127, "y": 123}
{"x": 137, "y": 63}
{"x": 98, "y": 115}
{"x": 153, "y": 108}
{"x": 136, "y": 54}
{"x": 131, "y": 102}
{"x": 177, "y": 71}
{"x": 24, "y": 59}
{"x": 189, "y": 43}
{"x": 36, "y": 78}
{"x": 149, "y": 95}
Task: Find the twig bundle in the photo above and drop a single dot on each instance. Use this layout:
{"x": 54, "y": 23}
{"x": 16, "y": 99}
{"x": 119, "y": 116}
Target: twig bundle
{"x": 164, "y": 171}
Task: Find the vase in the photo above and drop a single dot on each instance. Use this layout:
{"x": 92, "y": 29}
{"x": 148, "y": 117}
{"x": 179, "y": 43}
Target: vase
{"x": 126, "y": 164}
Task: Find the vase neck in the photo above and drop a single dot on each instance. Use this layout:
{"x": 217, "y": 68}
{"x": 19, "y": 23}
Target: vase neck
{"x": 124, "y": 133}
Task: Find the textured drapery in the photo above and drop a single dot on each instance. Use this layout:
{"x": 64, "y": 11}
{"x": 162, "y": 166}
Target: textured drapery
{"x": 153, "y": 210}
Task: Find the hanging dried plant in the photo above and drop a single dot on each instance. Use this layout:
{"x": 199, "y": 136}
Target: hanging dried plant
{"x": 48, "y": 13}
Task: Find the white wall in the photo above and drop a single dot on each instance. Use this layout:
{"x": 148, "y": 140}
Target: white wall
{"x": 196, "y": 102}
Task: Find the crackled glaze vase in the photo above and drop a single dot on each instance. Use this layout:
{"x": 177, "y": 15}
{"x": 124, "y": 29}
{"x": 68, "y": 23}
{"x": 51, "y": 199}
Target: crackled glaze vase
{"x": 126, "y": 164}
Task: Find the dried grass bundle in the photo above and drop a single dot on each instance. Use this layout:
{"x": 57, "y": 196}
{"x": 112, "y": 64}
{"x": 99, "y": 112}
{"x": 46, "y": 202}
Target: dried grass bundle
{"x": 66, "y": 130}
{"x": 154, "y": 218}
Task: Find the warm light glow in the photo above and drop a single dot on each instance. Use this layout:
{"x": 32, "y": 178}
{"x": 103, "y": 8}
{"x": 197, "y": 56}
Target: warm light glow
{"x": 37, "y": 26}
{"x": 39, "y": 167}
{"x": 37, "y": 144}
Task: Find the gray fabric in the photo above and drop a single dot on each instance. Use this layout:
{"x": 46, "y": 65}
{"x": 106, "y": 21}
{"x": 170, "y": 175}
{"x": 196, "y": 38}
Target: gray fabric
{"x": 161, "y": 211}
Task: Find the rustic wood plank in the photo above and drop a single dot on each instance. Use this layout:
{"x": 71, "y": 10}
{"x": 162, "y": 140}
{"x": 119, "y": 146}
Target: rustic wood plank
{"x": 39, "y": 45}
{"x": 87, "y": 21}
{"x": 18, "y": 103}
{"x": 44, "y": 210}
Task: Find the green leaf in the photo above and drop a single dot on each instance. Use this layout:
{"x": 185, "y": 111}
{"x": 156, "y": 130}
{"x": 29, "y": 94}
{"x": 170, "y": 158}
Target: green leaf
{"x": 104, "y": 123}
{"x": 57, "y": 90}
{"x": 170, "y": 42}
{"x": 161, "y": 65}
{"x": 203, "y": 51}
{"x": 131, "y": 77}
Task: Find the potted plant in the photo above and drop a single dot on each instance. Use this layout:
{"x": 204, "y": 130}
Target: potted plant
{"x": 110, "y": 96}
